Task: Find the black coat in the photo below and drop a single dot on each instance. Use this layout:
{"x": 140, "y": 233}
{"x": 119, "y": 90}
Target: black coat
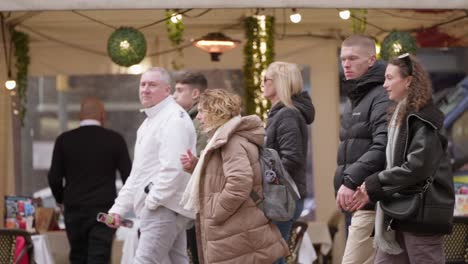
{"x": 287, "y": 133}
{"x": 363, "y": 132}
{"x": 420, "y": 151}
{"x": 87, "y": 158}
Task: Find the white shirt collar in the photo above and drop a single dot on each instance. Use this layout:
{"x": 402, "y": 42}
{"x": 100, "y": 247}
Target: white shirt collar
{"x": 90, "y": 122}
{"x": 155, "y": 109}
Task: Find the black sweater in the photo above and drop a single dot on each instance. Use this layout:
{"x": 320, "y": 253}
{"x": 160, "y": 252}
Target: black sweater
{"x": 84, "y": 165}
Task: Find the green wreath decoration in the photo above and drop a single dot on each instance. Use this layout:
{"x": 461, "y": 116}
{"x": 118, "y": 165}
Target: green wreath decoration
{"x": 397, "y": 43}
{"x": 126, "y": 46}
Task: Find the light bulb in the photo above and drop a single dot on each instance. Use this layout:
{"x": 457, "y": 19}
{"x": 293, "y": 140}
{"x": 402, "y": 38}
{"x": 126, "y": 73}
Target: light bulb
{"x": 124, "y": 44}
{"x": 136, "y": 69}
{"x": 295, "y": 17}
{"x": 176, "y": 18}
{"x": 345, "y": 14}
{"x": 10, "y": 84}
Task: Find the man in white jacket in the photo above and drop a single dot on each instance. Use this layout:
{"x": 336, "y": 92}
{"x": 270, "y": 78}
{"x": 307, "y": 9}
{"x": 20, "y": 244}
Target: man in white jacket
{"x": 157, "y": 180}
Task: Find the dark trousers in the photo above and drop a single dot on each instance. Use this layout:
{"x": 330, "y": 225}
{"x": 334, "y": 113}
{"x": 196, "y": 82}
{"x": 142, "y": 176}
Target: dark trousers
{"x": 418, "y": 248}
{"x": 192, "y": 244}
{"x": 90, "y": 241}
{"x": 286, "y": 226}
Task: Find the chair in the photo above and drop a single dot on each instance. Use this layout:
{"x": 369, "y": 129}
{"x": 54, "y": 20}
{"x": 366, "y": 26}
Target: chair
{"x": 8, "y": 246}
{"x": 456, "y": 244}
{"x": 295, "y": 239}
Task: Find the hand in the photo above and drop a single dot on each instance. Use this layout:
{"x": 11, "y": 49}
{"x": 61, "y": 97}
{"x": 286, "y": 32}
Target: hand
{"x": 360, "y": 198}
{"x": 344, "y": 198}
{"x": 60, "y": 206}
{"x": 188, "y": 161}
{"x": 117, "y": 221}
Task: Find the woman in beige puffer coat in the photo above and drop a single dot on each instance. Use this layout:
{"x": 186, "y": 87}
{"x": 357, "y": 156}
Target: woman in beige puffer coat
{"x": 230, "y": 227}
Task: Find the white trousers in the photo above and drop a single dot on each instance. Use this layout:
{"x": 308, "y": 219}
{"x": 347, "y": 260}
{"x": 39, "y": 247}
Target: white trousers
{"x": 359, "y": 245}
{"x": 162, "y": 239}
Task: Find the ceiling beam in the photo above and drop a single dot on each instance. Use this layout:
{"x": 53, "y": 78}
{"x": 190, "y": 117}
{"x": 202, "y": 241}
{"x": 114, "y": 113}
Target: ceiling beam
{"x": 28, "y": 5}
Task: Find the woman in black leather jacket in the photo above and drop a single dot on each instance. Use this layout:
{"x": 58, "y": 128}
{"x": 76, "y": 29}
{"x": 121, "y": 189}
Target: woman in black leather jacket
{"x": 416, "y": 162}
{"x": 286, "y": 129}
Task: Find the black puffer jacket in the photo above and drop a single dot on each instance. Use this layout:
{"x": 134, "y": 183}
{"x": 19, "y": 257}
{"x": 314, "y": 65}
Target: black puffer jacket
{"x": 287, "y": 133}
{"x": 420, "y": 151}
{"x": 363, "y": 133}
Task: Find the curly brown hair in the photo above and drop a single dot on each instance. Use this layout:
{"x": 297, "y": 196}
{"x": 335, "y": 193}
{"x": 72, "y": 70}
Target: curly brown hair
{"x": 420, "y": 87}
{"x": 219, "y": 106}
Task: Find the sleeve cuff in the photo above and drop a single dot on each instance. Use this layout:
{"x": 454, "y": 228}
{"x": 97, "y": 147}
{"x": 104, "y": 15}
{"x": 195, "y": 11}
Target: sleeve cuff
{"x": 348, "y": 182}
{"x": 374, "y": 188}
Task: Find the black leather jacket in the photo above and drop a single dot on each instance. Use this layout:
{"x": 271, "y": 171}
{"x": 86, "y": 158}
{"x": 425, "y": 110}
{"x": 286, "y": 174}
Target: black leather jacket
{"x": 420, "y": 152}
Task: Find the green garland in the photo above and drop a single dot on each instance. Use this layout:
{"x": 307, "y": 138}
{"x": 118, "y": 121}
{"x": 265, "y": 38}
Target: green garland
{"x": 126, "y": 55}
{"x": 255, "y": 63}
{"x": 359, "y": 20}
{"x": 175, "y": 33}
{"x": 397, "y": 43}
{"x": 21, "y": 44}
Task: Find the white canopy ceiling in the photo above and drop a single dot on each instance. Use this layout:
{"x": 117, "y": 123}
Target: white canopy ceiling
{"x": 23, "y": 5}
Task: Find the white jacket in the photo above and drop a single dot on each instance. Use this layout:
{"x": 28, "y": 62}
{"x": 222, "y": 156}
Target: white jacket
{"x": 164, "y": 135}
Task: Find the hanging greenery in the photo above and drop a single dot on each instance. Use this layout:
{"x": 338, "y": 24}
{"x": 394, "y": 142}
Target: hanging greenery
{"x": 126, "y": 46}
{"x": 359, "y": 20}
{"x": 258, "y": 54}
{"x": 175, "y": 30}
{"x": 21, "y": 44}
{"x": 397, "y": 43}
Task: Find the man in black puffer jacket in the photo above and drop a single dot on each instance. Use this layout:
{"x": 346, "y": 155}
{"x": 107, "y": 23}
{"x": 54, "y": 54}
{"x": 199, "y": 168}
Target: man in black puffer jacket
{"x": 363, "y": 138}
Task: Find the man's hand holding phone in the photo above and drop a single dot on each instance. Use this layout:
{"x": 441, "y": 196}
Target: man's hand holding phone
{"x": 114, "y": 220}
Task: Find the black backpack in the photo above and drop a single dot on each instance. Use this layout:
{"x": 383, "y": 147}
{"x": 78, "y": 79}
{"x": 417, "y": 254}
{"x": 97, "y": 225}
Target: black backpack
{"x": 280, "y": 193}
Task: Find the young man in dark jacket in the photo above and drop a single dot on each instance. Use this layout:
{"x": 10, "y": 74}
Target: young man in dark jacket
{"x": 188, "y": 88}
{"x": 363, "y": 137}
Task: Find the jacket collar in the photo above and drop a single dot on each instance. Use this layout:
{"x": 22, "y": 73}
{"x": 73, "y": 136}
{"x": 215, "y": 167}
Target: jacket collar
{"x": 154, "y": 110}
{"x": 90, "y": 122}
{"x": 356, "y": 89}
{"x": 429, "y": 114}
{"x": 193, "y": 112}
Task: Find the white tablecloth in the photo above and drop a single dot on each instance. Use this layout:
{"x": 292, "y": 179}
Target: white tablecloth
{"x": 307, "y": 253}
{"x": 42, "y": 253}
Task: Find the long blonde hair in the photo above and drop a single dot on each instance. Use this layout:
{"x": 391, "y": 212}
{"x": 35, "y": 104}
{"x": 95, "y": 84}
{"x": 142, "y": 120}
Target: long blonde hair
{"x": 287, "y": 80}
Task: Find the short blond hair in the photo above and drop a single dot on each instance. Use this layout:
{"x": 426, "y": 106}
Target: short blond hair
{"x": 219, "y": 106}
{"x": 365, "y": 42}
{"x": 287, "y": 80}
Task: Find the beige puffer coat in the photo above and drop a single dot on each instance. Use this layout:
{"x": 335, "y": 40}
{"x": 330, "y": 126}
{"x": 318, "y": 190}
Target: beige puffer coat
{"x": 231, "y": 229}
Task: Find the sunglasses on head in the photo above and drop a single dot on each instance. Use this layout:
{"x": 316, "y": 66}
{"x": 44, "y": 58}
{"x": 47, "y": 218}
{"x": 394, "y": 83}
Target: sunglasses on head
{"x": 407, "y": 61}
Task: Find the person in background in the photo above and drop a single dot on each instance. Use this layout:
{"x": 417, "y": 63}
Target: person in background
{"x": 82, "y": 178}
{"x": 363, "y": 137}
{"x": 286, "y": 127}
{"x": 157, "y": 181}
{"x": 232, "y": 229}
{"x": 188, "y": 88}
{"x": 417, "y": 161}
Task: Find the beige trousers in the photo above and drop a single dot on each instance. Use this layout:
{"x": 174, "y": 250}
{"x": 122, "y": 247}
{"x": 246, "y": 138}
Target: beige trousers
{"x": 359, "y": 248}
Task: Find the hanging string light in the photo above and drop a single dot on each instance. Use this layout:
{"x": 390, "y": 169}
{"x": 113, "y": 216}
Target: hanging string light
{"x": 295, "y": 17}
{"x": 10, "y": 84}
{"x": 344, "y": 14}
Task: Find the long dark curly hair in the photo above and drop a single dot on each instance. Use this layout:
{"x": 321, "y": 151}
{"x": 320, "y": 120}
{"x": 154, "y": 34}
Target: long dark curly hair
{"x": 420, "y": 87}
